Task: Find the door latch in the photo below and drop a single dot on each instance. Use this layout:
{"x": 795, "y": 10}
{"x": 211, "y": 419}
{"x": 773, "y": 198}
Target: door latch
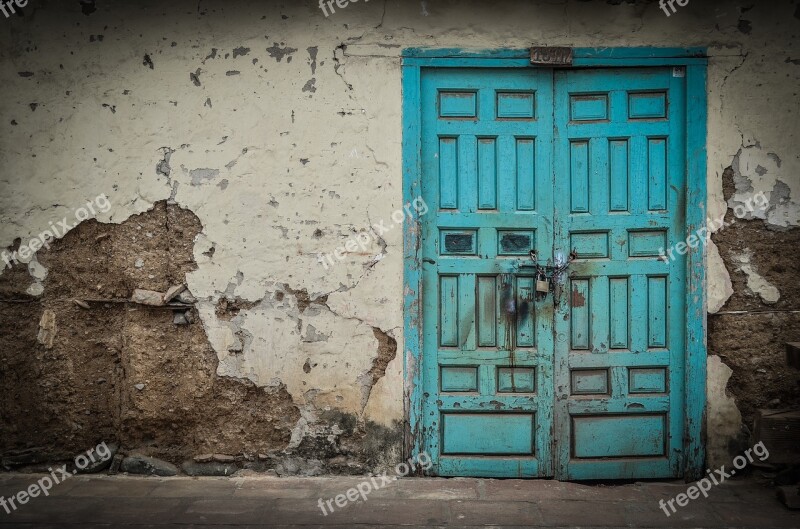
{"x": 547, "y": 275}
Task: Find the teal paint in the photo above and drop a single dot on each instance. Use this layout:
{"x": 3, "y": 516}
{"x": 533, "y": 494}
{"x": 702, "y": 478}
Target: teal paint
{"x": 472, "y": 248}
{"x": 696, "y": 355}
{"x": 675, "y": 55}
{"x": 412, "y": 278}
{"x": 643, "y": 433}
{"x": 484, "y": 158}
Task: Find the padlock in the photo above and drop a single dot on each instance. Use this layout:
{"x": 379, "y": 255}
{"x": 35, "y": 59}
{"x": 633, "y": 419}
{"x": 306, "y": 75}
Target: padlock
{"x": 542, "y": 284}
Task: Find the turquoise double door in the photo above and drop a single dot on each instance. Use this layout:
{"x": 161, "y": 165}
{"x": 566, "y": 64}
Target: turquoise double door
{"x": 586, "y": 380}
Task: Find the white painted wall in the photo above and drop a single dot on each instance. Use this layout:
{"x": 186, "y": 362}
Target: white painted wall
{"x": 310, "y": 139}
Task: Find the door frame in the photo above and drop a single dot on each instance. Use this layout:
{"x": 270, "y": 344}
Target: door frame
{"x": 695, "y": 62}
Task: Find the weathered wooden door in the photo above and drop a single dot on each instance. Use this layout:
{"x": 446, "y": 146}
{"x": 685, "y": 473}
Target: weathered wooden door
{"x": 584, "y": 381}
{"x": 619, "y": 324}
{"x": 488, "y": 367}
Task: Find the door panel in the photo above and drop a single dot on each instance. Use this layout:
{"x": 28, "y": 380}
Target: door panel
{"x": 584, "y": 382}
{"x": 619, "y": 168}
{"x": 487, "y": 139}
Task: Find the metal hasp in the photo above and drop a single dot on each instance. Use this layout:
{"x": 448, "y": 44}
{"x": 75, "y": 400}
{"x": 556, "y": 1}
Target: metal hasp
{"x": 550, "y": 271}
{"x": 547, "y": 275}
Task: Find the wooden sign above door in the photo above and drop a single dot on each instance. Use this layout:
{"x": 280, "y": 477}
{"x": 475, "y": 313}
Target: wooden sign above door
{"x": 551, "y": 56}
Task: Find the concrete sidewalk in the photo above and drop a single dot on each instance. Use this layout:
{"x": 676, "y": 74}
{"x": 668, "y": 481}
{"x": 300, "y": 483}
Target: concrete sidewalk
{"x": 120, "y": 501}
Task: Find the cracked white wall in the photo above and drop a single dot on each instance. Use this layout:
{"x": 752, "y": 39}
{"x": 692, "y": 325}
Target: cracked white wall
{"x": 284, "y": 134}
{"x": 723, "y": 419}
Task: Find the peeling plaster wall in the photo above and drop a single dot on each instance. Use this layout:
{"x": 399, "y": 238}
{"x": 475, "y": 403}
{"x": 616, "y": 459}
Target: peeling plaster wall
{"x": 280, "y": 129}
{"x": 723, "y": 417}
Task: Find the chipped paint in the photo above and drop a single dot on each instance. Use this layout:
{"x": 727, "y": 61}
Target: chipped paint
{"x": 757, "y": 284}
{"x": 578, "y": 299}
{"x": 720, "y": 288}
{"x": 722, "y": 416}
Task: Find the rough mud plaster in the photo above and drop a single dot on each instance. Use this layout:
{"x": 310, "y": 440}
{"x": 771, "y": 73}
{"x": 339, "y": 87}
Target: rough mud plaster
{"x": 763, "y": 261}
{"x": 749, "y": 333}
{"x": 753, "y": 346}
{"x": 300, "y": 163}
{"x": 118, "y": 372}
{"x": 723, "y": 418}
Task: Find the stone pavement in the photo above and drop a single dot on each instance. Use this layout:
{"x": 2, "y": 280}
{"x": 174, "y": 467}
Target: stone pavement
{"x": 123, "y": 501}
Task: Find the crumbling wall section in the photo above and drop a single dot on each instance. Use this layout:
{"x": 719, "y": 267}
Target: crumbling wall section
{"x": 106, "y": 369}
{"x": 762, "y": 314}
{"x": 89, "y": 365}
